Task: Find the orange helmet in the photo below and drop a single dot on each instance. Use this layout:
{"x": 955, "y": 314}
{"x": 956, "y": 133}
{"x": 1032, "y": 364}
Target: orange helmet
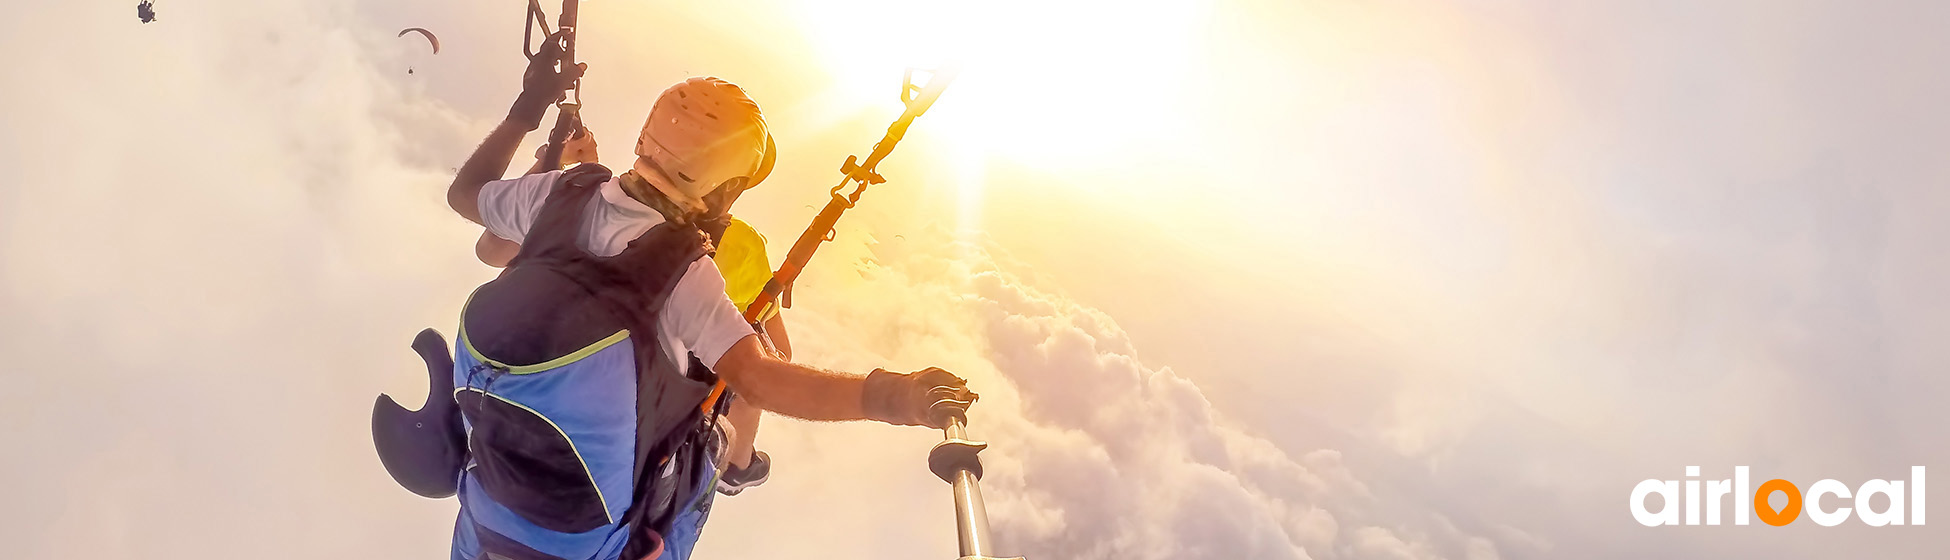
{"x": 703, "y": 134}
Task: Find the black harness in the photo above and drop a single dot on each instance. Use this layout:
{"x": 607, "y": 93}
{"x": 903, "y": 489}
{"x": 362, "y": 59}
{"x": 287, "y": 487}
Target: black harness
{"x": 555, "y": 299}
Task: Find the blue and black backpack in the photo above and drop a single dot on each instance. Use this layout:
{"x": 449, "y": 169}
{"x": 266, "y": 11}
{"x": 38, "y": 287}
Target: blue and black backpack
{"x": 571, "y": 430}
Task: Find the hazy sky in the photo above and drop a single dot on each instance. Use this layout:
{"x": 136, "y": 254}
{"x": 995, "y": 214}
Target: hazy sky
{"x": 1237, "y": 279}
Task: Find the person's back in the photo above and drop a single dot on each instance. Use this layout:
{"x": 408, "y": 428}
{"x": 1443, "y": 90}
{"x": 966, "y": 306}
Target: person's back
{"x": 552, "y": 362}
{"x": 740, "y": 256}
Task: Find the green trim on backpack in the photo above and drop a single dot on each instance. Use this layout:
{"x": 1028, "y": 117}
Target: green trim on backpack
{"x": 570, "y": 358}
{"x": 585, "y": 352}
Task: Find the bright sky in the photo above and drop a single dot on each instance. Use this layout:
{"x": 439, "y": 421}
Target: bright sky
{"x": 1237, "y": 278}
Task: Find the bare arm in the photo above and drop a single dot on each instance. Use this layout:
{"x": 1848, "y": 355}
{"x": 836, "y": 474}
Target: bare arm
{"x": 489, "y": 161}
{"x": 923, "y": 398}
{"x": 790, "y": 389}
{"x": 775, "y": 330}
{"x": 497, "y": 252}
{"x": 541, "y": 85}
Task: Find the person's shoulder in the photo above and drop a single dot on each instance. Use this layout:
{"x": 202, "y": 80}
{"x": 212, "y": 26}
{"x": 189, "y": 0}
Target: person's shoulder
{"x": 543, "y": 177}
{"x": 525, "y": 184}
{"x": 701, "y": 280}
{"x": 508, "y": 206}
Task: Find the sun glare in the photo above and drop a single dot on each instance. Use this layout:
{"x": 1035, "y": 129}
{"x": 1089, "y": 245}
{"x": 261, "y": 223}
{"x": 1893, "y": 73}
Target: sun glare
{"x": 1050, "y": 83}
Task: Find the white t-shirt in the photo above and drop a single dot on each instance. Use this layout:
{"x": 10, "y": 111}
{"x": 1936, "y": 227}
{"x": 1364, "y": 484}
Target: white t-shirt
{"x": 698, "y": 319}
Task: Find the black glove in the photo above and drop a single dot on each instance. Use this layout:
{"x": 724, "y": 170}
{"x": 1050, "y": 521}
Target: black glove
{"x": 924, "y": 398}
{"x": 542, "y": 84}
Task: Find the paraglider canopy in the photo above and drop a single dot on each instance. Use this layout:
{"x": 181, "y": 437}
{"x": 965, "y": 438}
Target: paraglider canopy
{"x": 146, "y": 11}
{"x": 432, "y": 40}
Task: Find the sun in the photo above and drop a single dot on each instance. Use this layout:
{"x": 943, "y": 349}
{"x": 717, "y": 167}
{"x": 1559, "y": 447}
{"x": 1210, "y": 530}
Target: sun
{"x": 1049, "y": 83}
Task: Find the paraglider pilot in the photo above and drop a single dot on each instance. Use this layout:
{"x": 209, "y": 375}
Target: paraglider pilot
{"x": 581, "y": 373}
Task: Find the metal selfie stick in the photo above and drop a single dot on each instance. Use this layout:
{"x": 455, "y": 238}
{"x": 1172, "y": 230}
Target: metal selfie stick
{"x": 956, "y": 460}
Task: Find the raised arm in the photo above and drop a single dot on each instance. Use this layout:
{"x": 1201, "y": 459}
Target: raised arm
{"x": 542, "y": 85}
{"x": 487, "y": 164}
{"x": 497, "y": 252}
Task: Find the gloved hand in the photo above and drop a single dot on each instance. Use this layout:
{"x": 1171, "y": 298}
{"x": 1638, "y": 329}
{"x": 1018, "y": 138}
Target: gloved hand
{"x": 542, "y": 84}
{"x": 924, "y": 398}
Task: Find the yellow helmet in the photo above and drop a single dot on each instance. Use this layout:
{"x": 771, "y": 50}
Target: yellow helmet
{"x": 703, "y": 134}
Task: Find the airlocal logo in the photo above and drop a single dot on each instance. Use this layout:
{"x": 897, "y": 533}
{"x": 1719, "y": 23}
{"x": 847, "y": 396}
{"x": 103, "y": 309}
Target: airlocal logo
{"x": 1716, "y": 490}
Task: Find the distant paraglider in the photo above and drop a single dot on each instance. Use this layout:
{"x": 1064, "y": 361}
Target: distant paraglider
{"x": 146, "y": 11}
{"x": 431, "y": 40}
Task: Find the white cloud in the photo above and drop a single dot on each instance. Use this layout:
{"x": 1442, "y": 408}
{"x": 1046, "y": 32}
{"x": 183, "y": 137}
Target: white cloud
{"x": 1096, "y": 453}
{"x": 213, "y": 237}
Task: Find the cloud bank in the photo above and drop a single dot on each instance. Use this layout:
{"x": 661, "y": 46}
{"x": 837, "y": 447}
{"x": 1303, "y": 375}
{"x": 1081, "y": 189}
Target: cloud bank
{"x": 1097, "y": 454}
